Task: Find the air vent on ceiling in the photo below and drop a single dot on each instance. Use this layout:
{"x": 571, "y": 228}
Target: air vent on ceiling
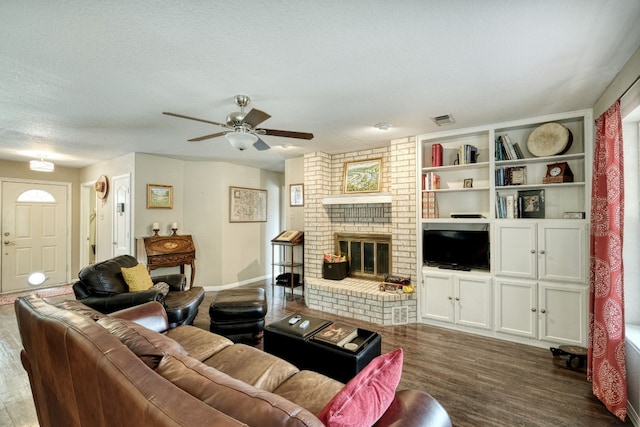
{"x": 446, "y": 119}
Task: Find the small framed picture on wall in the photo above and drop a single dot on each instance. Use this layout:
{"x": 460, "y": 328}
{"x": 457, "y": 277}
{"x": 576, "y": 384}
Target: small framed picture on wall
{"x": 296, "y": 195}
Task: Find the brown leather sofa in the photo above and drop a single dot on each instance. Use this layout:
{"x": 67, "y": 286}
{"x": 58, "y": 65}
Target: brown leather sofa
{"x": 87, "y": 368}
{"x": 102, "y": 287}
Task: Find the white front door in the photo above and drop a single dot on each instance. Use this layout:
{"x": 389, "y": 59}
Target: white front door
{"x": 34, "y": 233}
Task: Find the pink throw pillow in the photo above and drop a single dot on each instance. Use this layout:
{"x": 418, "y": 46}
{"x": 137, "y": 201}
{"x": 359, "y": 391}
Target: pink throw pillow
{"x": 368, "y": 395}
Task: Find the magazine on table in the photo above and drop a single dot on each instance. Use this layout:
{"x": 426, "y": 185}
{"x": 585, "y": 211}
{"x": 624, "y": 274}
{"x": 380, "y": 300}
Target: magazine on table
{"x": 337, "y": 334}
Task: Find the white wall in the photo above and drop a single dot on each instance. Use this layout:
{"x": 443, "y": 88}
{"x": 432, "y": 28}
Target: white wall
{"x": 152, "y": 169}
{"x": 293, "y": 174}
{"x": 228, "y": 253}
{"x": 104, "y": 208}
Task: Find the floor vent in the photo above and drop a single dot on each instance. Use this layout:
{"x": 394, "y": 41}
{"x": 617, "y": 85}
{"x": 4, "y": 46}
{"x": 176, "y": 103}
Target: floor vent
{"x": 399, "y": 315}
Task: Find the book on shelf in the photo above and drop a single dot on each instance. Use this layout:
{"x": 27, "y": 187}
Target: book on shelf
{"x": 514, "y": 175}
{"x": 289, "y": 236}
{"x": 430, "y": 181}
{"x": 429, "y": 205}
{"x": 506, "y": 149}
{"x": 337, "y": 334}
{"x": 467, "y": 154}
{"x": 507, "y": 206}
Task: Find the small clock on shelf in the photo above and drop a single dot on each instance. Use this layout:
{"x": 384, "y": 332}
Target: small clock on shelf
{"x": 558, "y": 172}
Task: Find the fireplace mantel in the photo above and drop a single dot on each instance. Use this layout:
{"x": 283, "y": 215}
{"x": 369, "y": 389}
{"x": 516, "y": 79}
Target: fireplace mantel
{"x": 353, "y": 199}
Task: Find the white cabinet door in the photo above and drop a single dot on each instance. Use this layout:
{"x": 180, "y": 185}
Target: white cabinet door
{"x": 550, "y": 250}
{"x": 562, "y": 254}
{"x": 437, "y": 296}
{"x": 516, "y": 308}
{"x": 563, "y": 313}
{"x": 473, "y": 302}
{"x": 516, "y": 249}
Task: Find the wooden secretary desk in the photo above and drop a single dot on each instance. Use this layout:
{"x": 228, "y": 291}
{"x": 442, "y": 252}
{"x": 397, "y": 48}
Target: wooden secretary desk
{"x": 167, "y": 251}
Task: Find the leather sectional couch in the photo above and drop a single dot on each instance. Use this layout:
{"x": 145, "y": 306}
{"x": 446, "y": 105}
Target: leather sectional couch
{"x": 129, "y": 369}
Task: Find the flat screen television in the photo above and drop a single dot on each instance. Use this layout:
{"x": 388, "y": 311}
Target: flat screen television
{"x": 456, "y": 249}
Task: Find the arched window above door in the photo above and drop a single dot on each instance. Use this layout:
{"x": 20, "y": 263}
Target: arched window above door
{"x": 40, "y": 196}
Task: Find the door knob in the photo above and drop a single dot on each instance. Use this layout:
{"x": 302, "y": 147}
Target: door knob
{"x": 7, "y": 242}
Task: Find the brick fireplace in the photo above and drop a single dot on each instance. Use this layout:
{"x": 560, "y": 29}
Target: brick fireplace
{"x": 391, "y": 212}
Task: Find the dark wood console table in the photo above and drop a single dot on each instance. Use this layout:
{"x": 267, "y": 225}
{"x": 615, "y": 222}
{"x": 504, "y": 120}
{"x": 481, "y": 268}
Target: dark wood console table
{"x": 167, "y": 251}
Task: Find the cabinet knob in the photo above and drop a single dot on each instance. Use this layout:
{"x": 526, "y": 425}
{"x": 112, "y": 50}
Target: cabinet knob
{"x": 533, "y": 309}
{"x": 542, "y": 252}
{"x": 450, "y": 298}
{"x": 533, "y": 251}
{"x": 457, "y": 299}
{"x": 543, "y": 311}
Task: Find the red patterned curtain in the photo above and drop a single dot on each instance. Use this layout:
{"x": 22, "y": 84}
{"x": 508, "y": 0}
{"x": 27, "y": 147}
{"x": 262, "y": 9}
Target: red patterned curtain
{"x": 606, "y": 366}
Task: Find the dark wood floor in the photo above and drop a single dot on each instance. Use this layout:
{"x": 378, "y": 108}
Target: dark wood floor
{"x": 480, "y": 381}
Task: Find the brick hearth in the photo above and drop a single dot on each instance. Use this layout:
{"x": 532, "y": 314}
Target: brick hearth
{"x": 360, "y": 299}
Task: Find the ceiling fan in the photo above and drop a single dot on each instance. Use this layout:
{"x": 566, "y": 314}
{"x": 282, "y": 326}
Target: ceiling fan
{"x": 243, "y": 127}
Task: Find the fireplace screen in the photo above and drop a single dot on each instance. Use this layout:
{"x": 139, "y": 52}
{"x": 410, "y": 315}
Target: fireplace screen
{"x": 369, "y": 255}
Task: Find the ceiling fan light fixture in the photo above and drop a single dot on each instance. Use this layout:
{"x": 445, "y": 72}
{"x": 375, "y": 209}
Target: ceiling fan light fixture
{"x": 41, "y": 166}
{"x": 240, "y": 140}
{"x": 383, "y": 126}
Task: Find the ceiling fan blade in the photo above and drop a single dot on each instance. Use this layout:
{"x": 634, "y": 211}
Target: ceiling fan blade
{"x": 202, "y": 138}
{"x": 260, "y": 145}
{"x": 193, "y": 118}
{"x": 286, "y": 133}
{"x": 255, "y": 117}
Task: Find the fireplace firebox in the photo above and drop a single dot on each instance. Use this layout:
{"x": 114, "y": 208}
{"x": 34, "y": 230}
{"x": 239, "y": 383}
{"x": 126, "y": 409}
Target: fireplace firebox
{"x": 369, "y": 255}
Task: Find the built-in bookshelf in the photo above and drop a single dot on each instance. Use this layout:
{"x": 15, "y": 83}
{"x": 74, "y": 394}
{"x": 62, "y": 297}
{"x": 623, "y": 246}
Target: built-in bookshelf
{"x": 484, "y": 168}
{"x": 536, "y": 210}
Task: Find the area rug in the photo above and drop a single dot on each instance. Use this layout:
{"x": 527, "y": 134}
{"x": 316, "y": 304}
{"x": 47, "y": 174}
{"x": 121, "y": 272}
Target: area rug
{"x": 45, "y": 292}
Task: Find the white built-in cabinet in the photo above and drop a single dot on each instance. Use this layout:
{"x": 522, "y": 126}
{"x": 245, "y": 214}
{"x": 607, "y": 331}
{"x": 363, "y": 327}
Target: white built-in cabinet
{"x": 461, "y": 298}
{"x": 549, "y": 300}
{"x": 548, "y": 311}
{"x": 545, "y": 250}
{"x": 537, "y": 287}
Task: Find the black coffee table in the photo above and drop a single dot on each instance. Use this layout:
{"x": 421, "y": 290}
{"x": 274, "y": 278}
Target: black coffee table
{"x": 296, "y": 345}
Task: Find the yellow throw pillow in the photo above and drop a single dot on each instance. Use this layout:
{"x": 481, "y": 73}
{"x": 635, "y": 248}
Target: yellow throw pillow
{"x": 137, "y": 278}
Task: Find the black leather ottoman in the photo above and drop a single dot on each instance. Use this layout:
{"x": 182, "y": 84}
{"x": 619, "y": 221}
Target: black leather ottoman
{"x": 298, "y": 347}
{"x": 238, "y": 311}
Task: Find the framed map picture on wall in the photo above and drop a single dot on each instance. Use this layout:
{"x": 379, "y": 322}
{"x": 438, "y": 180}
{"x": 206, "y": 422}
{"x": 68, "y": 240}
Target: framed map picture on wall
{"x": 247, "y": 205}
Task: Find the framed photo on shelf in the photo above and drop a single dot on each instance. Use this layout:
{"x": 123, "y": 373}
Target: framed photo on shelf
{"x": 159, "y": 196}
{"x": 468, "y": 183}
{"x": 247, "y": 205}
{"x": 531, "y": 203}
{"x": 296, "y": 195}
{"x": 363, "y": 176}
{"x": 518, "y": 175}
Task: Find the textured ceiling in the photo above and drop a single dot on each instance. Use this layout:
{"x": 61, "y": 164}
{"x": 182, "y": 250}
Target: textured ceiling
{"x": 83, "y": 82}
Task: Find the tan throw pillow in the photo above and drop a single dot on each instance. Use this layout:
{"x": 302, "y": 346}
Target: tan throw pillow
{"x": 137, "y": 278}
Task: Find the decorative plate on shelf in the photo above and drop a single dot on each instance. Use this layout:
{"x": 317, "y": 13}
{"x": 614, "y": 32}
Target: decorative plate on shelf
{"x": 549, "y": 139}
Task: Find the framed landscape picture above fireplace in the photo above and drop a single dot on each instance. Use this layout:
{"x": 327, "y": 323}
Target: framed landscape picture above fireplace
{"x": 363, "y": 176}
